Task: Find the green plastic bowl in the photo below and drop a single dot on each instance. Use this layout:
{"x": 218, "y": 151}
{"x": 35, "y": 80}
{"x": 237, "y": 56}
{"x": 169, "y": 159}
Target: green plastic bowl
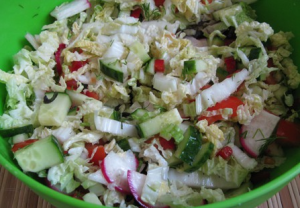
{"x": 21, "y": 16}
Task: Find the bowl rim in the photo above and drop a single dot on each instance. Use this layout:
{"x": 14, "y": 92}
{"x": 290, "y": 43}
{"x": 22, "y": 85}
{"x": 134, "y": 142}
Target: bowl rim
{"x": 278, "y": 182}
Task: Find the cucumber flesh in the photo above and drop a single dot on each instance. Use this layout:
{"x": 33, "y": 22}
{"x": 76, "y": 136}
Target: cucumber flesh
{"x": 18, "y": 130}
{"x": 55, "y": 112}
{"x": 189, "y": 147}
{"x": 200, "y": 158}
{"x": 155, "y": 125}
{"x": 193, "y": 66}
{"x": 40, "y": 155}
{"x": 112, "y": 69}
{"x": 150, "y": 67}
{"x": 174, "y": 162}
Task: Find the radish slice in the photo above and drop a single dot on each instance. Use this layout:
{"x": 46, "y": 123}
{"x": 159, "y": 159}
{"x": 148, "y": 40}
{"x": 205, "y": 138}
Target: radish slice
{"x": 242, "y": 158}
{"x": 115, "y": 166}
{"x": 254, "y": 135}
{"x": 136, "y": 183}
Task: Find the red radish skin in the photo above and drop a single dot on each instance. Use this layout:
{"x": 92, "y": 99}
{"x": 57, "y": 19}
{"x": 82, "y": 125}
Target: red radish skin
{"x": 245, "y": 147}
{"x": 115, "y": 167}
{"x": 48, "y": 183}
{"x": 136, "y": 183}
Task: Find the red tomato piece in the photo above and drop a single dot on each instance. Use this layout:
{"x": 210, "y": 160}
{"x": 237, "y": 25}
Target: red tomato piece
{"x": 206, "y": 1}
{"x": 20, "y": 145}
{"x": 136, "y": 13}
{"x": 230, "y": 64}
{"x": 231, "y": 102}
{"x": 75, "y": 65}
{"x": 225, "y": 152}
{"x": 57, "y": 55}
{"x": 288, "y": 133}
{"x": 163, "y": 142}
{"x": 167, "y": 145}
{"x": 159, "y": 65}
{"x": 72, "y": 84}
{"x": 159, "y": 3}
{"x": 95, "y": 152}
{"x": 91, "y": 94}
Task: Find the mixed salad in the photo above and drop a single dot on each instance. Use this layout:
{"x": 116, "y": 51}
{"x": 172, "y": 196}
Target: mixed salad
{"x": 152, "y": 103}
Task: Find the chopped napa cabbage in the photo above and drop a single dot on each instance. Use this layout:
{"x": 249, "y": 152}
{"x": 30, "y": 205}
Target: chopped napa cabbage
{"x": 229, "y": 170}
{"x": 212, "y": 195}
{"x": 253, "y": 105}
{"x": 88, "y": 136}
{"x": 235, "y": 15}
{"x": 69, "y": 175}
{"x": 112, "y": 197}
{"x": 189, "y": 8}
{"x": 254, "y": 29}
{"x": 211, "y": 133}
{"x": 50, "y": 42}
{"x": 219, "y": 91}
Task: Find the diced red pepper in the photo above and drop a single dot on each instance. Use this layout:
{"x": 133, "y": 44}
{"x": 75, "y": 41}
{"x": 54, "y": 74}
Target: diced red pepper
{"x": 225, "y": 152}
{"x": 159, "y": 65}
{"x": 57, "y": 58}
{"x": 136, "y": 13}
{"x": 72, "y": 84}
{"x": 159, "y": 3}
{"x": 96, "y": 155}
{"x": 91, "y": 94}
{"x": 75, "y": 65}
{"x": 230, "y": 64}
{"x": 20, "y": 145}
{"x": 206, "y": 1}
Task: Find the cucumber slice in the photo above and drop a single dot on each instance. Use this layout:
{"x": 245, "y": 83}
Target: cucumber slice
{"x": 217, "y": 41}
{"x": 72, "y": 111}
{"x": 200, "y": 158}
{"x": 254, "y": 53}
{"x": 150, "y": 67}
{"x": 140, "y": 51}
{"x": 40, "y": 155}
{"x": 124, "y": 144}
{"x": 18, "y": 130}
{"x": 221, "y": 74}
{"x": 193, "y": 66}
{"x": 55, "y": 110}
{"x": 189, "y": 147}
{"x": 112, "y": 69}
{"x": 155, "y": 125}
{"x": 174, "y": 162}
